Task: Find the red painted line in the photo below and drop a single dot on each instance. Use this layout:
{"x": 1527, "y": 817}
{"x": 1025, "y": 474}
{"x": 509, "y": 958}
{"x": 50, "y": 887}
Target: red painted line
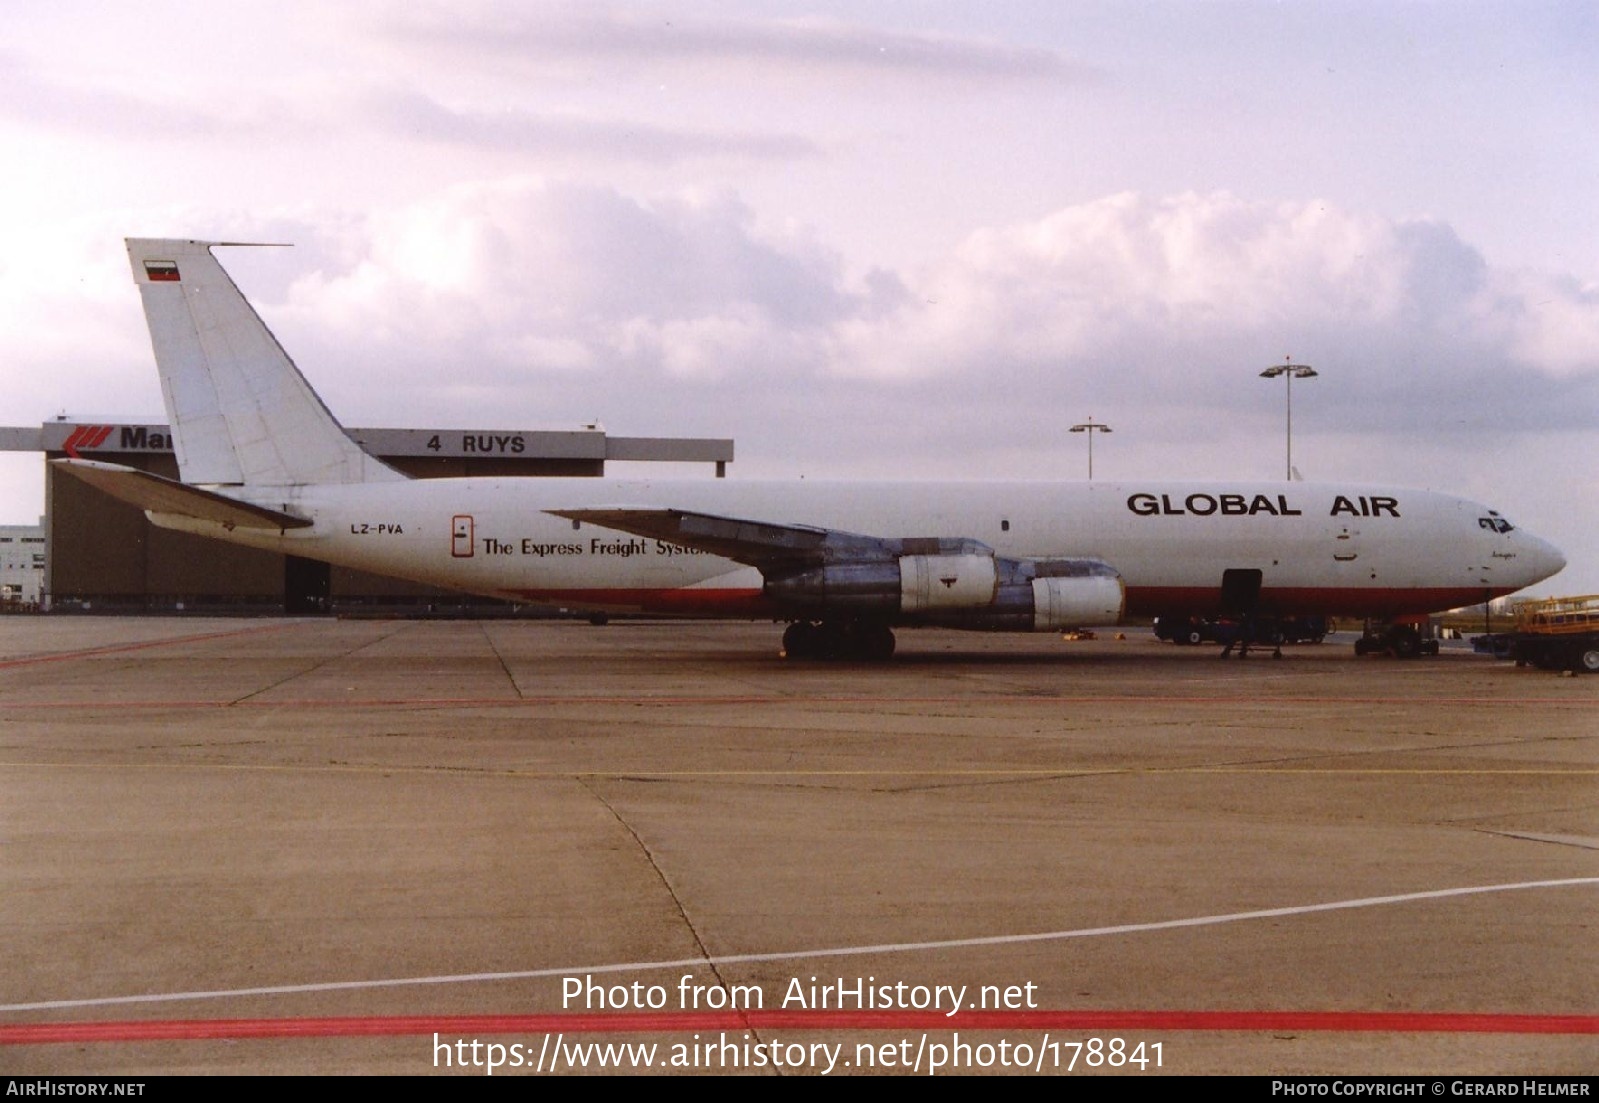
{"x": 112, "y": 649}
{"x": 1382, "y": 1022}
{"x": 1254, "y": 700}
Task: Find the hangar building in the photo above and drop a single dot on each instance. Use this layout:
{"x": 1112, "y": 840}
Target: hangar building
{"x": 103, "y": 555}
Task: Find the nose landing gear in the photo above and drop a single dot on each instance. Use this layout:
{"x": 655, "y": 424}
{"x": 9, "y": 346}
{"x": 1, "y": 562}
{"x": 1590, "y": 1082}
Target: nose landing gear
{"x": 1402, "y": 641}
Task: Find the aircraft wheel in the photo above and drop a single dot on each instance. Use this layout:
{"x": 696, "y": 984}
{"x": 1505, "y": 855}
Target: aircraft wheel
{"x": 832, "y": 640}
{"x": 1405, "y": 643}
{"x": 875, "y": 641}
{"x": 799, "y": 640}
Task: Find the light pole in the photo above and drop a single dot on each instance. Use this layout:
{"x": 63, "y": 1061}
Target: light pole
{"x": 1303, "y": 371}
{"x": 1091, "y": 427}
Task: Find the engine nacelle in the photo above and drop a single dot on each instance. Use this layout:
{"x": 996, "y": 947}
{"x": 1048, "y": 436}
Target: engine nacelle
{"x": 1060, "y": 603}
{"x": 946, "y": 582}
{"x": 961, "y": 591}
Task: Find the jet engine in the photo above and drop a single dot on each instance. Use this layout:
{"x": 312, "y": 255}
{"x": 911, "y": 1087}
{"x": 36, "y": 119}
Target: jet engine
{"x": 959, "y": 591}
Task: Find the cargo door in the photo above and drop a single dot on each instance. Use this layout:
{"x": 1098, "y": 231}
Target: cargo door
{"x": 1240, "y": 590}
{"x": 461, "y": 533}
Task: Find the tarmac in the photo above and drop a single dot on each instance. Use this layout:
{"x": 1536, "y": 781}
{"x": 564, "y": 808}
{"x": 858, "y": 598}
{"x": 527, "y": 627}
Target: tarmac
{"x": 359, "y": 846}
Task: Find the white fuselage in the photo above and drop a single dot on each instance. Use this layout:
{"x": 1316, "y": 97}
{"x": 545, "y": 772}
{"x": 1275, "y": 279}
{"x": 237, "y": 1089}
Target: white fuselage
{"x": 1321, "y": 548}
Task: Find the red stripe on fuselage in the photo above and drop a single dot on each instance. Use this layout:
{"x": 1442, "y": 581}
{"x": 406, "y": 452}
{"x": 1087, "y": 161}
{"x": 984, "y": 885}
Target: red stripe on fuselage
{"x": 677, "y": 600}
{"x": 1341, "y": 601}
{"x": 1344, "y": 601}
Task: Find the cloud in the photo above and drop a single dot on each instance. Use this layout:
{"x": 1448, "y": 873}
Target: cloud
{"x": 564, "y": 34}
{"x": 527, "y": 301}
{"x": 1186, "y": 293}
{"x": 72, "y": 327}
{"x": 522, "y": 277}
{"x": 1176, "y": 271}
{"x": 1553, "y": 321}
{"x": 317, "y": 111}
{"x": 1167, "y": 306}
{"x": 37, "y": 100}
{"x": 412, "y": 115}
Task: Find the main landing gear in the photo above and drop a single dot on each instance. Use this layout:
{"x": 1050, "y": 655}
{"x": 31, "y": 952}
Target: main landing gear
{"x": 838, "y": 639}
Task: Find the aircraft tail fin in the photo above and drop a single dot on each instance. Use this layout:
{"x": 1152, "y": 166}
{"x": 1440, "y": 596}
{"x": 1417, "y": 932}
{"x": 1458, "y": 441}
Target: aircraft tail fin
{"x": 241, "y": 412}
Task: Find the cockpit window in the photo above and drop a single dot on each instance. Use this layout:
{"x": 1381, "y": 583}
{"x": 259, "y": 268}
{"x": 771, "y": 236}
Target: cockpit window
{"x": 1494, "y": 523}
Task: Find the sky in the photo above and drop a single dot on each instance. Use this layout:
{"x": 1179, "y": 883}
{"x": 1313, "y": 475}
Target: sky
{"x": 865, "y": 239}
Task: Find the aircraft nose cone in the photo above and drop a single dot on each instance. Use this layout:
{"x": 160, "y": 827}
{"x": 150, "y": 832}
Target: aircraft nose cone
{"x": 1545, "y": 558}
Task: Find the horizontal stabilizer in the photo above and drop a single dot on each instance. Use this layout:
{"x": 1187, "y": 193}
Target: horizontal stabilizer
{"x": 156, "y": 494}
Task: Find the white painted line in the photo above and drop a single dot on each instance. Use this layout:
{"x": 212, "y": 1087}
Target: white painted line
{"x": 798, "y": 955}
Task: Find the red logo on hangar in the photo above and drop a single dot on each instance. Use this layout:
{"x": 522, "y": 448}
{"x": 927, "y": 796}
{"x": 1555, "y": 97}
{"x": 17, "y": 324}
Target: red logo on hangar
{"x": 86, "y": 436}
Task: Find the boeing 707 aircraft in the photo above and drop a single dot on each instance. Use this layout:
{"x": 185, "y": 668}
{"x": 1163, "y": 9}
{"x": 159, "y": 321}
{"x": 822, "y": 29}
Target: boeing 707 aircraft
{"x": 265, "y": 464}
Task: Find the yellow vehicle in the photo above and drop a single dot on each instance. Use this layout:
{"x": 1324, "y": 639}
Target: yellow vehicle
{"x": 1558, "y": 633}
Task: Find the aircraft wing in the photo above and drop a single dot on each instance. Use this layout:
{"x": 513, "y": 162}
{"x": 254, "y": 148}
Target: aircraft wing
{"x": 155, "y": 494}
{"x": 773, "y": 548}
{"x": 811, "y": 573}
